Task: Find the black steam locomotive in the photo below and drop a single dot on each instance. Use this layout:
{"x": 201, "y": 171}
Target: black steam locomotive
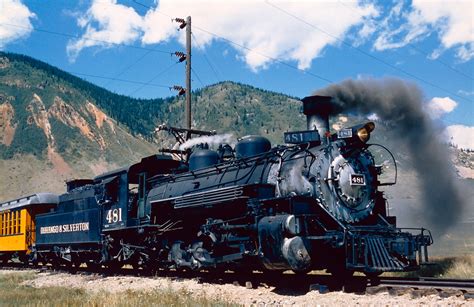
{"x": 311, "y": 204}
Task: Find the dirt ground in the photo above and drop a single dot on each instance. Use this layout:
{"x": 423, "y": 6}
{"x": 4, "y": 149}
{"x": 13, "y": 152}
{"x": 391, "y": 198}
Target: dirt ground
{"x": 262, "y": 296}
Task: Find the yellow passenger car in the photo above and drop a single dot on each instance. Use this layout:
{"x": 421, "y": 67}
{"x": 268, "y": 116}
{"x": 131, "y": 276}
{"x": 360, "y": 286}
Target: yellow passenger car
{"x": 17, "y": 224}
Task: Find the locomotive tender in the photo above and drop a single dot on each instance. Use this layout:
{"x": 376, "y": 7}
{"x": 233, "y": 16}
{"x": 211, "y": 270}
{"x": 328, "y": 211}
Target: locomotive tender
{"x": 311, "y": 204}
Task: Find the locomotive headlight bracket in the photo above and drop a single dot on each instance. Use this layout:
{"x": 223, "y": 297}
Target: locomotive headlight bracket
{"x": 379, "y": 167}
{"x": 359, "y": 134}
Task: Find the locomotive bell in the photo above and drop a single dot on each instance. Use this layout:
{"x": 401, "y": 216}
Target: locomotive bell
{"x": 317, "y": 109}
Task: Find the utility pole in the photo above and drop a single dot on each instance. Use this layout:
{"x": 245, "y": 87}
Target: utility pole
{"x": 182, "y": 57}
{"x": 188, "y": 72}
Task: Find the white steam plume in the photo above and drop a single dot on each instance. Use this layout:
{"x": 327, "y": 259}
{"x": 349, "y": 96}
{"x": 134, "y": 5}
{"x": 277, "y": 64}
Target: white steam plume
{"x": 211, "y": 140}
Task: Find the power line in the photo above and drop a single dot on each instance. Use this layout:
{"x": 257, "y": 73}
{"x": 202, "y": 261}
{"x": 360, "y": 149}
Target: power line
{"x": 266, "y": 56}
{"x": 149, "y": 7}
{"x": 114, "y": 78}
{"x": 365, "y": 52}
{"x": 207, "y": 60}
{"x": 120, "y": 80}
{"x": 153, "y": 79}
{"x": 323, "y": 31}
{"x": 87, "y": 38}
{"x": 420, "y": 50}
{"x": 246, "y": 48}
{"x": 128, "y": 68}
{"x": 205, "y": 57}
{"x": 197, "y": 77}
{"x": 440, "y": 61}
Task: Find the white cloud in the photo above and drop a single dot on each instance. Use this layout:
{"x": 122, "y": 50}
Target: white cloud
{"x": 15, "y": 21}
{"x": 438, "y": 106}
{"x": 466, "y": 93}
{"x": 255, "y": 25}
{"x": 466, "y": 52}
{"x": 462, "y": 136}
{"x": 452, "y": 20}
{"x": 106, "y": 23}
{"x": 385, "y": 40}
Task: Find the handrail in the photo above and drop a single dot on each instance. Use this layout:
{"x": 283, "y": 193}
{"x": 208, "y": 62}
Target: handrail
{"x": 394, "y": 163}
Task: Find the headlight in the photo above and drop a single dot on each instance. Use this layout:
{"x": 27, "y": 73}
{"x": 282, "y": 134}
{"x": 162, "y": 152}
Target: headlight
{"x": 364, "y": 132}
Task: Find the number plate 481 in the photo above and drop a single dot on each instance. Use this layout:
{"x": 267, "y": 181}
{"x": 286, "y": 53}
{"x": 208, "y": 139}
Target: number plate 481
{"x": 357, "y": 179}
{"x": 114, "y": 216}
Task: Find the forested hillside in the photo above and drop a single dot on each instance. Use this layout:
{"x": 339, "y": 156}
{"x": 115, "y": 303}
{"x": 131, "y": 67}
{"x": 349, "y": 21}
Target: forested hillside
{"x": 52, "y": 128}
{"x": 238, "y": 103}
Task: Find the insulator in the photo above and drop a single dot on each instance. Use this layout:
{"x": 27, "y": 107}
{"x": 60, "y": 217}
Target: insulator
{"x": 181, "y": 56}
{"x": 180, "y": 89}
{"x": 182, "y": 22}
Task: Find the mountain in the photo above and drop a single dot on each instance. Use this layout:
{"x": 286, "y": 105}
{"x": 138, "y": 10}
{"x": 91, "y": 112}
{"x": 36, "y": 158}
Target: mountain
{"x": 55, "y": 126}
{"x": 52, "y": 129}
{"x": 235, "y": 104}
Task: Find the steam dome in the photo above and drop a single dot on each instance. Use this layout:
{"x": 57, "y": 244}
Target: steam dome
{"x": 202, "y": 158}
{"x": 252, "y": 145}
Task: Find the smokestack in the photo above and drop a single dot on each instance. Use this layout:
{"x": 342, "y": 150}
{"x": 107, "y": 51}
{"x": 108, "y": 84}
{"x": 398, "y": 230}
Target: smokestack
{"x": 317, "y": 110}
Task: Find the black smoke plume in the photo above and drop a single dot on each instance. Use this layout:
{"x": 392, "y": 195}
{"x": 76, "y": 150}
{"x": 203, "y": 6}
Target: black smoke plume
{"x": 401, "y": 104}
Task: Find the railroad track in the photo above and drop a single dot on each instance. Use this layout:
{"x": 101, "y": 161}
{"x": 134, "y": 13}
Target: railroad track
{"x": 423, "y": 286}
{"x": 301, "y": 283}
{"x": 423, "y": 282}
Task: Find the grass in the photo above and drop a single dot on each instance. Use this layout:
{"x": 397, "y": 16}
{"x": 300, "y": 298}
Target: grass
{"x": 444, "y": 267}
{"x": 13, "y": 293}
{"x": 459, "y": 267}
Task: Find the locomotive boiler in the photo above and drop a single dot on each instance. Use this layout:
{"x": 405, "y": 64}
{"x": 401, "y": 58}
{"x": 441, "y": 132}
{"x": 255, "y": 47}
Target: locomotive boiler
{"x": 311, "y": 204}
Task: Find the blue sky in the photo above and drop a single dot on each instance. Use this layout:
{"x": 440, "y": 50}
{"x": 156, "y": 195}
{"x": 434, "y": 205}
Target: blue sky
{"x": 293, "y": 47}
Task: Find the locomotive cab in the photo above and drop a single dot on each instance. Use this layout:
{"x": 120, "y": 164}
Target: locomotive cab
{"x": 92, "y": 212}
{"x": 124, "y": 191}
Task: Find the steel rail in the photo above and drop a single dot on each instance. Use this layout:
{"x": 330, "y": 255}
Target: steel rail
{"x": 428, "y": 282}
